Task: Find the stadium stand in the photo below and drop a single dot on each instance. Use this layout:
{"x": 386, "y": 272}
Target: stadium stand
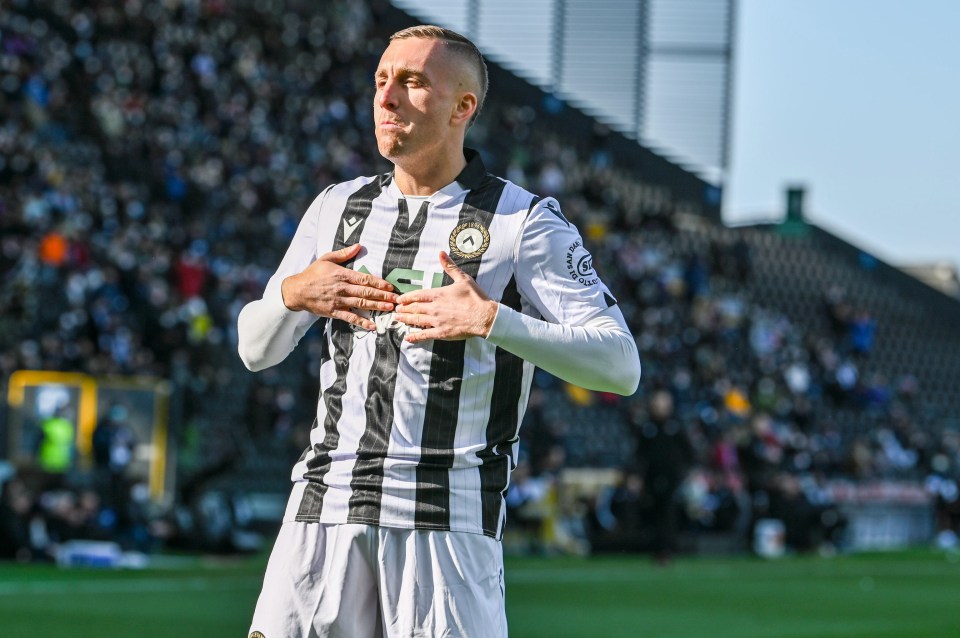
{"x": 155, "y": 159}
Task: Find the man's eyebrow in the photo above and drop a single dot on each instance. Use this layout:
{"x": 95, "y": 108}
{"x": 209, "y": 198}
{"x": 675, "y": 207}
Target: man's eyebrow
{"x": 404, "y": 71}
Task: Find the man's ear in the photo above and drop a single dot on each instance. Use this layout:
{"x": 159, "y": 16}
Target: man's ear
{"x": 465, "y": 108}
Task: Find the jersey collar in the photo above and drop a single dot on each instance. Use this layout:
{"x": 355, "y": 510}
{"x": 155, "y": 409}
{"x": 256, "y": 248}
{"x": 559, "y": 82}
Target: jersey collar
{"x": 469, "y": 178}
{"x": 473, "y": 173}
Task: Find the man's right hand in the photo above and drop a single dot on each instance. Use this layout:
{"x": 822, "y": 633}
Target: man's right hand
{"x": 328, "y": 289}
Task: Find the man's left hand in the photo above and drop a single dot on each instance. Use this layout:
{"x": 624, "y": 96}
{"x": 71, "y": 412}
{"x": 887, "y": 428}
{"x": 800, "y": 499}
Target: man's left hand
{"x": 452, "y": 313}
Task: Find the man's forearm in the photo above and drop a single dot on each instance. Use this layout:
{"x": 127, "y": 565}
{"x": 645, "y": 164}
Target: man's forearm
{"x": 600, "y": 355}
{"x": 268, "y": 331}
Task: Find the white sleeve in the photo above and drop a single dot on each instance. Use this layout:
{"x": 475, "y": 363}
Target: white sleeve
{"x": 598, "y": 355}
{"x": 554, "y": 270}
{"x": 267, "y": 330}
{"x": 583, "y": 338}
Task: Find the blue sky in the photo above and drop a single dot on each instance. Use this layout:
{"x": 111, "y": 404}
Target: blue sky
{"x": 858, "y": 100}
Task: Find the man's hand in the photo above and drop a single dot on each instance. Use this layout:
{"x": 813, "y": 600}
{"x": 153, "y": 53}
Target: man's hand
{"x": 451, "y": 313}
{"x": 328, "y": 289}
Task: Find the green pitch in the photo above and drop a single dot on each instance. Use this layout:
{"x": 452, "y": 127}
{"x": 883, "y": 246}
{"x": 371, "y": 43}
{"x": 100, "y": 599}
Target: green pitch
{"x": 913, "y": 595}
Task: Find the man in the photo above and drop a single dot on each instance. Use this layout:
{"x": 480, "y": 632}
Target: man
{"x": 666, "y": 455}
{"x": 432, "y": 281}
{"x": 55, "y": 451}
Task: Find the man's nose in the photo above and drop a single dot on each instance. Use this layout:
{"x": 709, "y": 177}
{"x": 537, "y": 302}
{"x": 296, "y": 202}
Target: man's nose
{"x": 387, "y": 95}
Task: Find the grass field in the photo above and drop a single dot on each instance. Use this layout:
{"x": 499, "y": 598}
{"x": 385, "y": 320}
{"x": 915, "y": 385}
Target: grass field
{"x": 913, "y": 595}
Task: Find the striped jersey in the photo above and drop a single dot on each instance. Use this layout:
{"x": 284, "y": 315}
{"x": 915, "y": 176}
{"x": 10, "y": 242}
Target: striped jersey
{"x": 425, "y": 435}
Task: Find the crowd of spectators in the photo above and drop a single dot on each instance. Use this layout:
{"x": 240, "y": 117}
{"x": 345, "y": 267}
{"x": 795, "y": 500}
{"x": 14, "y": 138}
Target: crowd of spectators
{"x": 763, "y": 413}
{"x": 155, "y": 158}
{"x": 154, "y": 161}
{"x": 35, "y": 524}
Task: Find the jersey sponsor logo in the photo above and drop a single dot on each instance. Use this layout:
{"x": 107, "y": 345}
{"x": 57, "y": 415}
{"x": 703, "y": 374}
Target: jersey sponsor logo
{"x": 580, "y": 264}
{"x": 404, "y": 280}
{"x": 469, "y": 240}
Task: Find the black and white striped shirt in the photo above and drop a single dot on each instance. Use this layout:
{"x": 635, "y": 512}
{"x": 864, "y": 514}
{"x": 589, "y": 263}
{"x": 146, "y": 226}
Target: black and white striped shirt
{"x": 425, "y": 435}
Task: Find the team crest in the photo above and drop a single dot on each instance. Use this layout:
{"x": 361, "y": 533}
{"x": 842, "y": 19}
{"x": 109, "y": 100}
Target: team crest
{"x": 469, "y": 240}
{"x": 257, "y": 634}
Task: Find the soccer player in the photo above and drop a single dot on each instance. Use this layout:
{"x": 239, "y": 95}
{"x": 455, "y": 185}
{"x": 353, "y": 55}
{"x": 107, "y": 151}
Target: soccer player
{"x": 441, "y": 287}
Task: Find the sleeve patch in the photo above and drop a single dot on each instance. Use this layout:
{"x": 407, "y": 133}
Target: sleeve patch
{"x": 580, "y": 264}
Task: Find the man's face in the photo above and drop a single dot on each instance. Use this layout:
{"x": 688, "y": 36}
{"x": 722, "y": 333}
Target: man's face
{"x": 415, "y": 99}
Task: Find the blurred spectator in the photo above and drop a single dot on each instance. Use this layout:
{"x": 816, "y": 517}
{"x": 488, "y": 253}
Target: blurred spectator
{"x": 810, "y": 523}
{"x": 56, "y": 449}
{"x": 528, "y": 506}
{"x": 862, "y": 330}
{"x": 622, "y": 516}
{"x": 17, "y": 509}
{"x": 113, "y": 448}
{"x": 665, "y": 453}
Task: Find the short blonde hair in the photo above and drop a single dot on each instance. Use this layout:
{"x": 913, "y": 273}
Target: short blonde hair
{"x": 459, "y": 45}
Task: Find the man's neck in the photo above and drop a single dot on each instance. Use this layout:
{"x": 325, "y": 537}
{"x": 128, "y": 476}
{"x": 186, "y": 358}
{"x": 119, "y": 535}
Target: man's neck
{"x": 429, "y": 176}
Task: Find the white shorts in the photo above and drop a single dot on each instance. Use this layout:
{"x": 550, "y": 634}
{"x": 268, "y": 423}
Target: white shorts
{"x": 363, "y": 581}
